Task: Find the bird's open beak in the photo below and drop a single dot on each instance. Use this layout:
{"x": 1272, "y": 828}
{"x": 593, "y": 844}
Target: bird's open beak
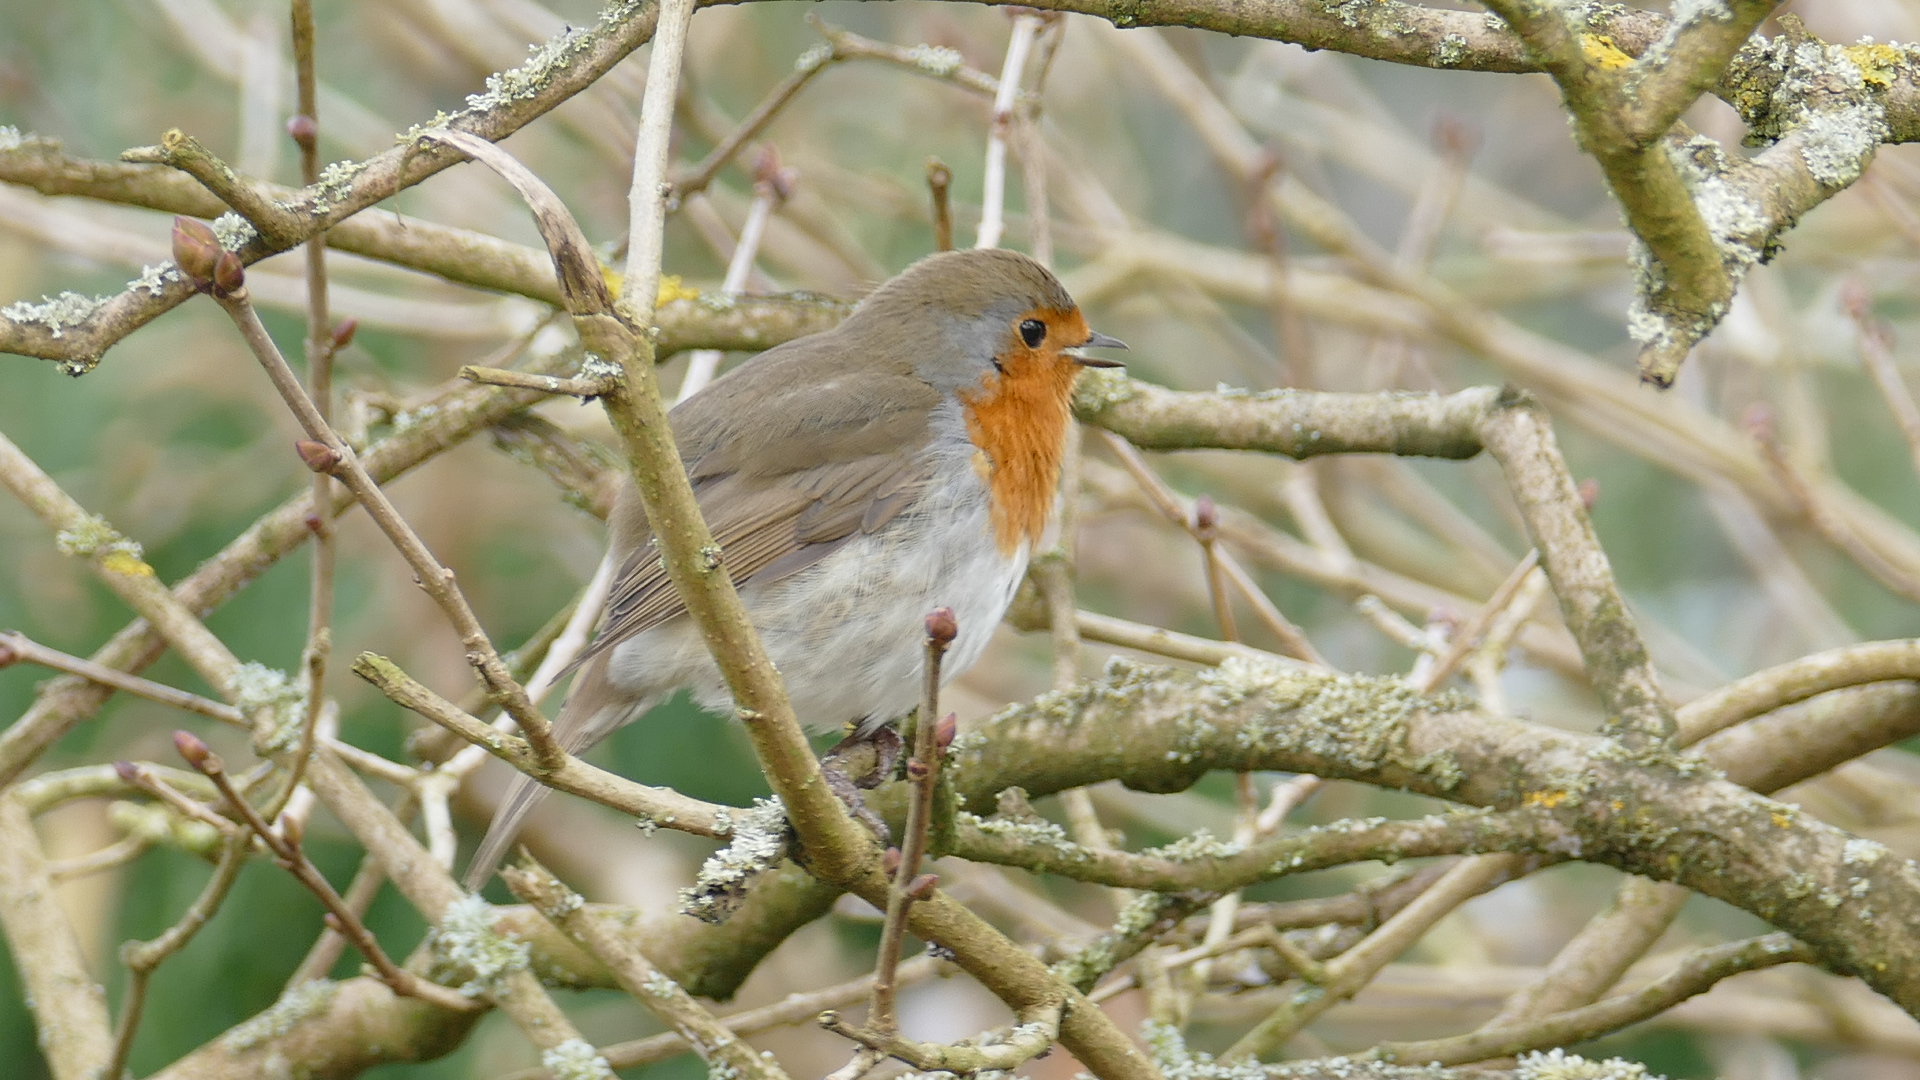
{"x": 1100, "y": 341}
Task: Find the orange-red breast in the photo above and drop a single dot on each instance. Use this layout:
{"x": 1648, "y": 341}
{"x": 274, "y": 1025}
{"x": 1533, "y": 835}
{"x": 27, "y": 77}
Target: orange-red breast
{"x": 855, "y": 479}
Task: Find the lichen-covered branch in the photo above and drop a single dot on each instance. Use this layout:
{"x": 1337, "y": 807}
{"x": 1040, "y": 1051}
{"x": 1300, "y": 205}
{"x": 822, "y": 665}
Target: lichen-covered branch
{"x": 1520, "y": 437}
{"x": 1161, "y": 730}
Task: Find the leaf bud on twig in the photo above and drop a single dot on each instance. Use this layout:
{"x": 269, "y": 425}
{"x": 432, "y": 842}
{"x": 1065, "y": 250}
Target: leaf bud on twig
{"x": 942, "y": 627}
{"x": 229, "y": 275}
{"x": 303, "y": 130}
{"x": 318, "y": 456}
{"x": 196, "y": 251}
{"x": 197, "y": 754}
{"x": 343, "y": 332}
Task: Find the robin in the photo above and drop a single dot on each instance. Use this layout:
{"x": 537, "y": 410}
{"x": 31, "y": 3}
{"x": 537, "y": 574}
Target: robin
{"x": 855, "y": 479}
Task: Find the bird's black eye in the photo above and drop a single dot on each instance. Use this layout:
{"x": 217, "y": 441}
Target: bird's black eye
{"x": 1033, "y": 332}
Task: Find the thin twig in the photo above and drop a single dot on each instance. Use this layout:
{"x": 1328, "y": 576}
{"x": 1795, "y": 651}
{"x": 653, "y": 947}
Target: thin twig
{"x": 651, "y": 189}
{"x": 1876, "y": 354}
{"x": 142, "y": 957}
{"x": 1696, "y": 973}
{"x": 16, "y": 647}
{"x": 993, "y": 198}
{"x": 321, "y": 344}
{"x": 923, "y": 772}
{"x": 329, "y": 453}
{"x": 288, "y": 850}
{"x": 697, "y": 179}
{"x": 796, "y": 1008}
{"x": 1292, "y": 640}
{"x": 586, "y": 387}
{"x": 939, "y": 179}
{"x": 1469, "y": 635}
{"x": 724, "y": 1053}
{"x": 772, "y": 185}
{"x": 1821, "y": 515}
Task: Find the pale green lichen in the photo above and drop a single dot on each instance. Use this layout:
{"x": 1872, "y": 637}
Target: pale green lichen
{"x": 532, "y": 77}
{"x": 595, "y": 366}
{"x": 1859, "y": 852}
{"x": 1088, "y": 965}
{"x": 1450, "y": 51}
{"x": 1178, "y": 1062}
{"x": 466, "y": 941}
{"x": 1822, "y": 92}
{"x": 1098, "y": 389}
{"x": 1557, "y": 1064}
{"x": 57, "y": 313}
{"x": 92, "y": 536}
{"x": 335, "y": 184}
{"x": 258, "y": 688}
{"x": 295, "y": 1005}
{"x": 759, "y": 843}
{"x": 575, "y": 1059}
{"x": 660, "y": 986}
{"x": 813, "y": 58}
{"x": 10, "y": 138}
{"x": 233, "y": 231}
{"x": 1372, "y": 15}
{"x": 157, "y": 824}
{"x": 1355, "y": 721}
{"x": 1201, "y": 845}
{"x": 936, "y": 60}
{"x": 154, "y": 279}
{"x": 1838, "y": 142}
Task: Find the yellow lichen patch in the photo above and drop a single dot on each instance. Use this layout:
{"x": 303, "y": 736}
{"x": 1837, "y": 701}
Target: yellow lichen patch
{"x": 1877, "y": 63}
{"x": 671, "y": 287}
{"x": 1782, "y": 819}
{"x": 1604, "y": 53}
{"x": 1547, "y": 799}
{"x": 125, "y": 562}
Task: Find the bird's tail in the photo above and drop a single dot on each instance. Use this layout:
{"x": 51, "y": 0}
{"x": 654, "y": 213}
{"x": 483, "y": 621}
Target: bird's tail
{"x": 593, "y": 710}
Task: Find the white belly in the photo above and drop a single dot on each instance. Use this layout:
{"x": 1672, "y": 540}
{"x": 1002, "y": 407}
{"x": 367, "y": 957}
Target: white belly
{"x": 848, "y": 633}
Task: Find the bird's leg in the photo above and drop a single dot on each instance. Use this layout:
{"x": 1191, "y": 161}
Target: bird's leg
{"x": 862, "y": 761}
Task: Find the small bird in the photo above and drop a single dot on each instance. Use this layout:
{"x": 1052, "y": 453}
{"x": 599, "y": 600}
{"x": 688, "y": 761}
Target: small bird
{"x": 855, "y": 479}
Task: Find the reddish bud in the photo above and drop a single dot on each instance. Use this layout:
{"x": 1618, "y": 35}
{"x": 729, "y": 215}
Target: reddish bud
{"x": 128, "y": 772}
{"x": 1206, "y": 518}
{"x": 770, "y": 179}
{"x": 196, "y": 752}
{"x": 917, "y": 770}
{"x": 303, "y": 129}
{"x": 1589, "y": 490}
{"x": 315, "y": 525}
{"x": 343, "y": 333}
{"x": 922, "y": 887}
{"x": 318, "y": 456}
{"x": 945, "y": 730}
{"x": 229, "y": 275}
{"x": 195, "y": 250}
{"x": 942, "y": 627}
{"x": 8, "y": 654}
{"x": 890, "y": 862}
